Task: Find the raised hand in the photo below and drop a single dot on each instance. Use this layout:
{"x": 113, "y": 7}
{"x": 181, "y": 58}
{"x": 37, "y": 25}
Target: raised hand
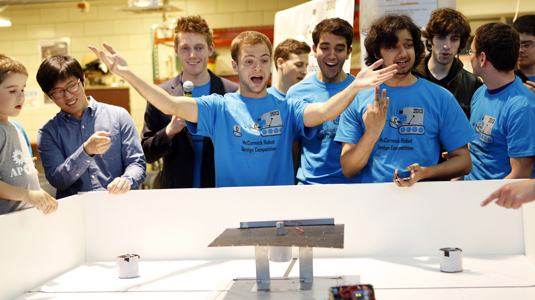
{"x": 375, "y": 116}
{"x": 114, "y": 60}
{"x": 175, "y": 126}
{"x": 98, "y": 143}
{"x": 370, "y": 78}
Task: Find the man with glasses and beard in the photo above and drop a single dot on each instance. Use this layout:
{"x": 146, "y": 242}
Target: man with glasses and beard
{"x": 87, "y": 146}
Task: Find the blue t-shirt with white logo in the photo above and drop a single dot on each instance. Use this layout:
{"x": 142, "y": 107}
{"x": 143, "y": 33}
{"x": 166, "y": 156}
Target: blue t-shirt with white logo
{"x": 420, "y": 117}
{"x": 252, "y": 137}
{"x": 504, "y": 124}
{"x": 320, "y": 155}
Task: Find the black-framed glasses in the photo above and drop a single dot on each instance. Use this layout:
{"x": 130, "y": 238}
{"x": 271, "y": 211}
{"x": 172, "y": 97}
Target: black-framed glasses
{"x": 59, "y": 94}
{"x": 526, "y": 45}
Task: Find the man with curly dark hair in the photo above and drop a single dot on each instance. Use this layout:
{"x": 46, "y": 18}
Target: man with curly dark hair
{"x": 503, "y": 110}
{"x": 446, "y": 35}
{"x": 381, "y": 135}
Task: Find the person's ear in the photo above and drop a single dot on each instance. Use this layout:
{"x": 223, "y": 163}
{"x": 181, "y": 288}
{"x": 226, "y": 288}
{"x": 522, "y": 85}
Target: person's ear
{"x": 234, "y": 66}
{"x": 349, "y": 50}
{"x": 482, "y": 58}
{"x": 279, "y": 62}
{"x": 211, "y": 49}
{"x": 314, "y": 49}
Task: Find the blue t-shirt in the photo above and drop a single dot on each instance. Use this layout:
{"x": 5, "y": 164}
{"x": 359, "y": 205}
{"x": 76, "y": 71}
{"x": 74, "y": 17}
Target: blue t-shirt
{"x": 320, "y": 155}
{"x": 252, "y": 137}
{"x": 198, "y": 140}
{"x": 531, "y": 78}
{"x": 272, "y": 90}
{"x": 17, "y": 124}
{"x": 504, "y": 124}
{"x": 419, "y": 118}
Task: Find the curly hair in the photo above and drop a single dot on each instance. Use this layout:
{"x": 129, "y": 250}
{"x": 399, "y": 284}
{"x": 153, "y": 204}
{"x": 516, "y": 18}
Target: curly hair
{"x": 9, "y": 66}
{"x": 382, "y": 34}
{"x": 444, "y": 21}
{"x": 248, "y": 38}
{"x": 290, "y": 46}
{"x": 336, "y": 26}
{"x": 194, "y": 24}
{"x": 501, "y": 44}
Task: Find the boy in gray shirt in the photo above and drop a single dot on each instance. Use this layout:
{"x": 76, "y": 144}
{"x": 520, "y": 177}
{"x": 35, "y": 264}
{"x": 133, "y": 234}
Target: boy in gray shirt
{"x": 19, "y": 185}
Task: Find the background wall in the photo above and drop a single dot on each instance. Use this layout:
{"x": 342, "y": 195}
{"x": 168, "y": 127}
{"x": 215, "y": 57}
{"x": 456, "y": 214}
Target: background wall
{"x": 130, "y": 33}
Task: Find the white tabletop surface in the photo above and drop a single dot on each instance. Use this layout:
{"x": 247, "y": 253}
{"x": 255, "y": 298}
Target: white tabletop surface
{"x": 490, "y": 277}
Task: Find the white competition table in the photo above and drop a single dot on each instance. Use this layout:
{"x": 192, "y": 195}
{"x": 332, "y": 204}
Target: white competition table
{"x": 392, "y": 237}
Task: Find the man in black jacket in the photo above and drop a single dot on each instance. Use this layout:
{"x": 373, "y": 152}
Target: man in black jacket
{"x": 446, "y": 34}
{"x": 188, "y": 160}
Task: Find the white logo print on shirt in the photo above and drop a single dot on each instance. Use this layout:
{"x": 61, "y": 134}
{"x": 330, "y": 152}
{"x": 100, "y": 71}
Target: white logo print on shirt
{"x": 24, "y": 166}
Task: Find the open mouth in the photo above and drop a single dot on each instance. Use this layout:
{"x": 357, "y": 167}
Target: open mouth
{"x": 193, "y": 63}
{"x": 402, "y": 63}
{"x": 18, "y": 107}
{"x": 72, "y": 102}
{"x": 331, "y": 65}
{"x": 257, "y": 79}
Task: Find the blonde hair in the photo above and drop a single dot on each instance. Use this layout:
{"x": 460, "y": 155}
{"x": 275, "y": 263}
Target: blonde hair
{"x": 9, "y": 66}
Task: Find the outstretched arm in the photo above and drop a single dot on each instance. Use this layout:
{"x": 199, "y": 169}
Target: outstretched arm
{"x": 182, "y": 107}
{"x": 513, "y": 195}
{"x": 318, "y": 113}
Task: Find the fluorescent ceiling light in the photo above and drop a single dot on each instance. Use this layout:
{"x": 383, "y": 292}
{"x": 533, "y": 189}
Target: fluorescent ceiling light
{"x": 5, "y": 21}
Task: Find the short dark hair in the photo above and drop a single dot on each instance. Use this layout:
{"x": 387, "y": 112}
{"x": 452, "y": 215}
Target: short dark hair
{"x": 382, "y": 34}
{"x": 248, "y": 38}
{"x": 10, "y": 66}
{"x": 525, "y": 24}
{"x": 287, "y": 47}
{"x": 56, "y": 68}
{"x": 501, "y": 44}
{"x": 336, "y": 26}
{"x": 444, "y": 21}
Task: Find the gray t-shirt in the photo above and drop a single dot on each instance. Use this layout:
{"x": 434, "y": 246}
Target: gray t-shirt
{"x": 16, "y": 166}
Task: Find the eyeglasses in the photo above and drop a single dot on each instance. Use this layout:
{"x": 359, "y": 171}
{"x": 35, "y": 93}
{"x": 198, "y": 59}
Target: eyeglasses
{"x": 526, "y": 45}
{"x": 59, "y": 94}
